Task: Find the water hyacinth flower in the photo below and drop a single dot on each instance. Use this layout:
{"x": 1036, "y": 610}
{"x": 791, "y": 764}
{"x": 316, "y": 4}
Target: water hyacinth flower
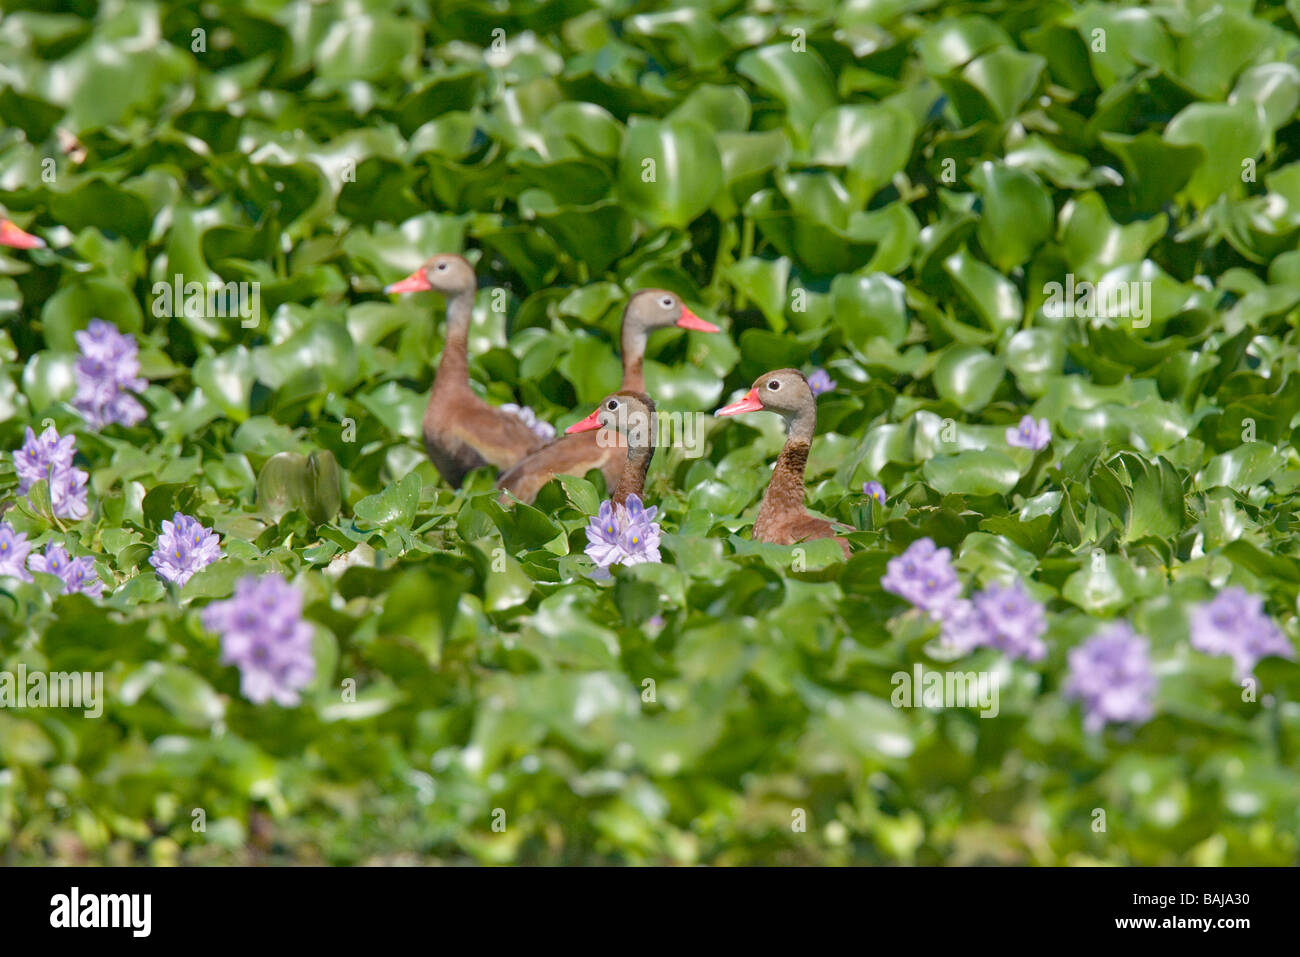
{"x": 1030, "y": 434}
{"x": 923, "y": 575}
{"x": 623, "y": 534}
{"x": 183, "y": 548}
{"x": 263, "y": 634}
{"x": 541, "y": 428}
{"x": 107, "y": 374}
{"x": 1235, "y": 624}
{"x": 1013, "y": 620}
{"x": 48, "y": 456}
{"x": 1110, "y": 674}
{"x": 819, "y": 380}
{"x": 874, "y": 490}
{"x": 77, "y": 574}
{"x": 963, "y": 628}
{"x": 13, "y": 553}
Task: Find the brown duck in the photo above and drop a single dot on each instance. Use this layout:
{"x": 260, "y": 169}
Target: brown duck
{"x": 461, "y": 431}
{"x": 782, "y": 518}
{"x": 577, "y": 453}
{"x": 632, "y": 415}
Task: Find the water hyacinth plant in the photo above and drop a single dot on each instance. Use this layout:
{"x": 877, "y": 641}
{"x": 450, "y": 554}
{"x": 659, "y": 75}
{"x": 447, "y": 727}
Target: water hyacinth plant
{"x": 107, "y": 376}
{"x": 264, "y": 636}
{"x": 1003, "y": 299}
{"x": 623, "y": 534}
{"x": 77, "y": 574}
{"x": 184, "y": 547}
{"x": 1111, "y": 676}
{"x": 14, "y": 549}
{"x": 820, "y": 381}
{"x": 48, "y": 457}
{"x": 1234, "y": 624}
{"x": 1030, "y": 434}
{"x": 543, "y": 429}
{"x": 923, "y": 575}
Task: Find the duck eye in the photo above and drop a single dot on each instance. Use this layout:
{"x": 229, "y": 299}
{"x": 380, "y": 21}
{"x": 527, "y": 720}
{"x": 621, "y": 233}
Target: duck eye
{"x": 612, "y": 405}
{"x": 666, "y": 302}
{"x": 442, "y": 267}
{"x": 774, "y": 384}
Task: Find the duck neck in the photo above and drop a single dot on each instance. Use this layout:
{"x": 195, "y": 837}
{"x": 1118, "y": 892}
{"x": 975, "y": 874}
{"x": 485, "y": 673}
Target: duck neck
{"x": 632, "y": 481}
{"x": 453, "y": 367}
{"x": 632, "y": 345}
{"x": 785, "y": 491}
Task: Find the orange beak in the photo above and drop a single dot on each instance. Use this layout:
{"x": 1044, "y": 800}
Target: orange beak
{"x": 11, "y": 235}
{"x": 690, "y": 320}
{"x": 589, "y": 424}
{"x": 750, "y": 403}
{"x": 415, "y": 282}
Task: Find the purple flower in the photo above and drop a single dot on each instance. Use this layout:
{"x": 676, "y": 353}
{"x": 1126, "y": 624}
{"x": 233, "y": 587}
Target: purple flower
{"x": 183, "y": 548}
{"x": 77, "y": 574}
{"x": 49, "y": 457}
{"x": 107, "y": 373}
{"x": 923, "y": 575}
{"x": 263, "y": 634}
{"x": 1030, "y": 434}
{"x": 541, "y": 428}
{"x": 40, "y": 454}
{"x": 1015, "y": 621}
{"x": 963, "y": 627}
{"x": 623, "y": 534}
{"x": 1110, "y": 674}
{"x": 820, "y": 381}
{"x": 1235, "y": 624}
{"x": 13, "y": 553}
{"x": 874, "y": 490}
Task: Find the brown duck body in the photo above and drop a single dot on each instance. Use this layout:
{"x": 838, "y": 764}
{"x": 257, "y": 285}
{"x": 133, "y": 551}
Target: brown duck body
{"x": 578, "y": 453}
{"x": 782, "y": 518}
{"x": 461, "y": 431}
{"x": 571, "y": 455}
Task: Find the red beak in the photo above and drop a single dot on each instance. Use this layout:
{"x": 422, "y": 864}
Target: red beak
{"x": 11, "y": 235}
{"x": 750, "y": 403}
{"x": 589, "y": 424}
{"x": 690, "y": 320}
{"x": 415, "y": 282}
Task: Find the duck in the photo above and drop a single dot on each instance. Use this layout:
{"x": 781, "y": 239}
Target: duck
{"x": 782, "y": 518}
{"x": 624, "y": 531}
{"x": 461, "y": 431}
{"x": 578, "y": 453}
{"x": 631, "y": 414}
{"x": 15, "y": 238}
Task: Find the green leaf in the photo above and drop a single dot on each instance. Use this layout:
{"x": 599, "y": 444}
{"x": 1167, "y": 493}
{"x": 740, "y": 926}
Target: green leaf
{"x": 394, "y": 507}
{"x": 972, "y": 472}
{"x": 669, "y": 171}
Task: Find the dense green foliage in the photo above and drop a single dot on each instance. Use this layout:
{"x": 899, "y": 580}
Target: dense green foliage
{"x": 883, "y": 188}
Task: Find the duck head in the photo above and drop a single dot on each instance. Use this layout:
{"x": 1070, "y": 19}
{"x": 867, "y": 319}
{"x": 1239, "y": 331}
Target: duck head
{"x": 631, "y": 413}
{"x": 784, "y": 391}
{"x": 12, "y": 236}
{"x": 444, "y": 273}
{"x": 658, "y": 309}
